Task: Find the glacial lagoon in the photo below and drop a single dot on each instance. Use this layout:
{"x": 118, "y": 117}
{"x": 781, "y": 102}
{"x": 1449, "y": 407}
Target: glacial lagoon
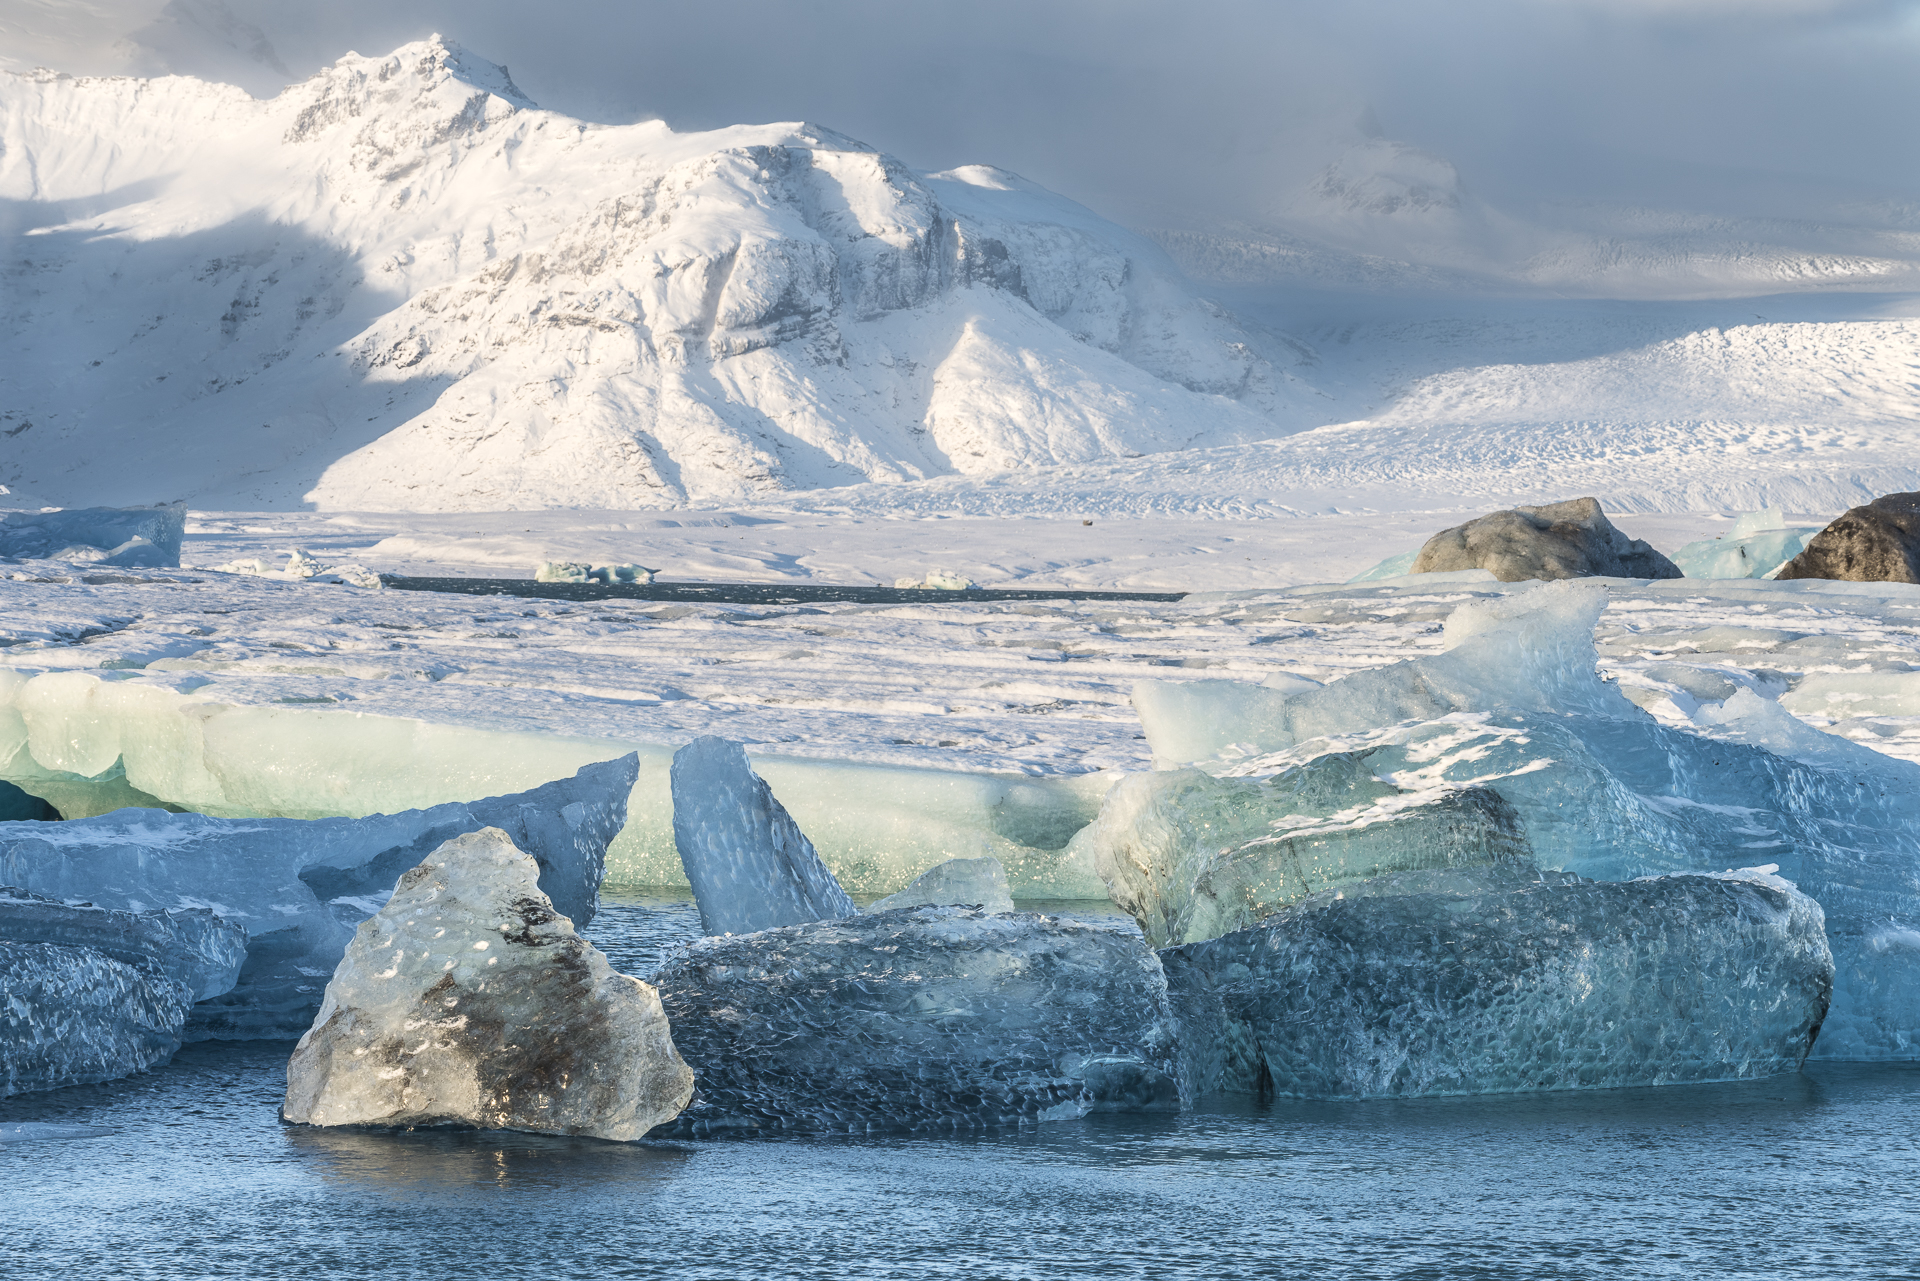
{"x": 187, "y": 1170}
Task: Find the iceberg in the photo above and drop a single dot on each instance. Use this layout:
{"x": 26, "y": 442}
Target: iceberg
{"x": 1759, "y": 543}
{"x": 190, "y": 946}
{"x": 130, "y": 536}
{"x": 1605, "y": 791}
{"x": 468, "y": 1001}
{"x": 1491, "y": 980}
{"x": 300, "y": 886}
{"x": 72, "y": 1016}
{"x": 972, "y": 882}
{"x": 1192, "y": 857}
{"x": 926, "y": 1019}
{"x": 750, "y": 866}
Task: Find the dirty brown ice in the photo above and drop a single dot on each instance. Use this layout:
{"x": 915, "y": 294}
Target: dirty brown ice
{"x": 1877, "y": 543}
{"x": 468, "y": 1001}
{"x": 1573, "y": 539}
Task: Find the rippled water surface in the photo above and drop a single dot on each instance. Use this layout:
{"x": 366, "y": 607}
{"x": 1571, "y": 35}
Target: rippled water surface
{"x": 186, "y": 1172}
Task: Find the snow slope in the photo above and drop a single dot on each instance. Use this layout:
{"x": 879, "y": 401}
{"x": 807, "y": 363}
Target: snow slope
{"x": 401, "y": 285}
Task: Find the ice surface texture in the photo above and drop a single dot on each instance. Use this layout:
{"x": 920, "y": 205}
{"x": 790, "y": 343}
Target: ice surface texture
{"x": 299, "y": 886}
{"x": 191, "y": 946}
{"x": 1875, "y": 543}
{"x": 975, "y": 882}
{"x": 1573, "y": 539}
{"x": 98, "y": 535}
{"x": 1193, "y": 857}
{"x": 468, "y": 1001}
{"x": 1476, "y": 982}
{"x": 72, "y": 1016}
{"x": 750, "y": 866}
{"x": 923, "y": 1019}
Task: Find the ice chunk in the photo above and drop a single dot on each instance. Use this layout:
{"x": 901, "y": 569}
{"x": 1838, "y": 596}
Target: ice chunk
{"x": 468, "y": 1001}
{"x": 148, "y": 536}
{"x": 1193, "y": 857}
{"x": 570, "y": 571}
{"x": 1759, "y": 544}
{"x": 1531, "y": 650}
{"x": 750, "y": 866}
{"x": 71, "y": 1016}
{"x": 1878, "y": 542}
{"x": 974, "y": 882}
{"x": 945, "y": 580}
{"x": 924, "y": 1019}
{"x": 1392, "y": 567}
{"x": 190, "y": 945}
{"x": 1481, "y": 982}
{"x": 301, "y": 567}
{"x": 299, "y": 886}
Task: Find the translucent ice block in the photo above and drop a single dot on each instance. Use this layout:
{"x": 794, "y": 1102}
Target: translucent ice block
{"x": 71, "y": 1016}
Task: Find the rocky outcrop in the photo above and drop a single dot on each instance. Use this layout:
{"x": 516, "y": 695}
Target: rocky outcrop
{"x": 1573, "y": 539}
{"x": 467, "y": 1001}
{"x": 1877, "y": 543}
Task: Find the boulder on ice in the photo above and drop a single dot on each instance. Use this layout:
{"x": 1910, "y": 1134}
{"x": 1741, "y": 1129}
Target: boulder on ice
{"x": 750, "y": 865}
{"x": 927, "y": 1019}
{"x": 1571, "y": 539}
{"x": 969, "y": 882}
{"x": 140, "y": 536}
{"x": 1875, "y": 543}
{"x": 468, "y": 1001}
{"x": 299, "y": 886}
{"x": 1490, "y": 981}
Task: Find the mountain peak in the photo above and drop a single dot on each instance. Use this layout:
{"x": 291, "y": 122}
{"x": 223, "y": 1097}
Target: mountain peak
{"x": 437, "y": 85}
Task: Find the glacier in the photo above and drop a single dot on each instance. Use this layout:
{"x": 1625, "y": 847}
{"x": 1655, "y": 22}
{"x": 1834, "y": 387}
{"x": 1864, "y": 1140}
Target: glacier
{"x": 750, "y": 865}
{"x": 299, "y": 886}
{"x": 925, "y": 1020}
{"x": 468, "y": 1001}
{"x": 1476, "y": 981}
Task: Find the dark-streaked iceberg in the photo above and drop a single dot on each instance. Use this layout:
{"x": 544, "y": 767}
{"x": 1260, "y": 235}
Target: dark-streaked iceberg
{"x": 1489, "y": 981}
{"x": 927, "y": 1019}
{"x": 468, "y": 1001}
{"x": 750, "y": 865}
{"x": 300, "y": 886}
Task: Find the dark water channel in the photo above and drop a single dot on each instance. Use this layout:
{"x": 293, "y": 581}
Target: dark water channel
{"x": 186, "y": 1172}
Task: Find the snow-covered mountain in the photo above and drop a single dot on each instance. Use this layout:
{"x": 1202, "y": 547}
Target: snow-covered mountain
{"x": 401, "y": 285}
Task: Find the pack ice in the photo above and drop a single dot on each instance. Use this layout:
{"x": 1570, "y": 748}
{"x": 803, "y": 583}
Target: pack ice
{"x": 468, "y": 1001}
{"x": 1600, "y": 788}
{"x": 923, "y": 1019}
{"x": 1490, "y": 980}
{"x": 90, "y": 994}
{"x": 300, "y": 886}
{"x": 750, "y": 865}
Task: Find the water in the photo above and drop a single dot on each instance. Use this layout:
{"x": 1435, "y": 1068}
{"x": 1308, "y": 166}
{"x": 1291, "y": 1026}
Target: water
{"x": 187, "y": 1172}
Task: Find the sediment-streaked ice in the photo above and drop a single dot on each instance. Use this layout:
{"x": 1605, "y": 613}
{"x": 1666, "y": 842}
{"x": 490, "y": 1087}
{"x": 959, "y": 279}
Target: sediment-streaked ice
{"x": 924, "y": 1019}
{"x": 750, "y": 865}
{"x": 468, "y": 1001}
{"x": 1489, "y": 980}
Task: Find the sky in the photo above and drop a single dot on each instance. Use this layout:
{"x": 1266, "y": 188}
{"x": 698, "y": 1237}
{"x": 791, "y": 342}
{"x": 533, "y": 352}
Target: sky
{"x": 1146, "y": 109}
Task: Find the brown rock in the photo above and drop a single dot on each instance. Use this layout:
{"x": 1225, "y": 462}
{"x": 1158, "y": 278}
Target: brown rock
{"x": 1877, "y": 543}
{"x": 1573, "y": 539}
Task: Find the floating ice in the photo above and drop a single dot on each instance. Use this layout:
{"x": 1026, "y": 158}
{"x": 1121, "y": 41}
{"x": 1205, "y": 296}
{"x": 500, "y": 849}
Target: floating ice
{"x": 191, "y": 946}
{"x": 945, "y": 580}
{"x": 925, "y": 1019}
{"x": 301, "y": 567}
{"x": 299, "y": 886}
{"x": 974, "y": 882}
{"x": 568, "y": 571}
{"x": 1392, "y": 567}
{"x": 1759, "y": 543}
{"x": 1878, "y": 542}
{"x": 1193, "y": 857}
{"x": 750, "y": 865}
{"x": 71, "y": 1016}
{"x": 468, "y": 1001}
{"x": 132, "y": 536}
{"x": 1489, "y": 981}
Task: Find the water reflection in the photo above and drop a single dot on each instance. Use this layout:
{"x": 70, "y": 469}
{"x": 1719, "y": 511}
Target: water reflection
{"x": 465, "y": 1160}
